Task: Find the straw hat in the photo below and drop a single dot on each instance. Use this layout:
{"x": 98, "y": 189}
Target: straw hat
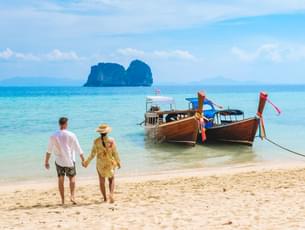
{"x": 103, "y": 128}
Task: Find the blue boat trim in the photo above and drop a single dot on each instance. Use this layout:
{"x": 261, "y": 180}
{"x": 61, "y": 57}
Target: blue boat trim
{"x": 212, "y": 111}
{"x": 208, "y": 113}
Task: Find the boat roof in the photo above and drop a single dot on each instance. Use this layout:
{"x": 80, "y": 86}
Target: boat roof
{"x": 228, "y": 112}
{"x": 194, "y": 101}
{"x": 160, "y": 100}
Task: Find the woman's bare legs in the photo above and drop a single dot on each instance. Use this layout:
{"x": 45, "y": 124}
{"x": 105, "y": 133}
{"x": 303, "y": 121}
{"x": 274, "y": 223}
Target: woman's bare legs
{"x": 102, "y": 187}
{"x": 111, "y": 189}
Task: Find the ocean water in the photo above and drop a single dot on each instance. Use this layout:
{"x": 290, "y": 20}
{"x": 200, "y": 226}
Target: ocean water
{"x": 28, "y": 116}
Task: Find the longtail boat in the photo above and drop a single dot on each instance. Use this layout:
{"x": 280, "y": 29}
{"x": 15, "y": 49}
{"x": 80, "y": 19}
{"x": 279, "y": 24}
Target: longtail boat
{"x": 229, "y": 125}
{"x": 176, "y": 126}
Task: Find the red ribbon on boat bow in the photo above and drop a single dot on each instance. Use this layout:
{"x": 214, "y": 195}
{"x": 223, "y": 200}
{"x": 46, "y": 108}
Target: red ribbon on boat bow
{"x": 202, "y": 129}
{"x": 274, "y": 106}
{"x": 262, "y": 131}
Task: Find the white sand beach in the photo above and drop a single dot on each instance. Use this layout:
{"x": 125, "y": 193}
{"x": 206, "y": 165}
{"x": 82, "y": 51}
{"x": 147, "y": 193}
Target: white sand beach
{"x": 246, "y": 197}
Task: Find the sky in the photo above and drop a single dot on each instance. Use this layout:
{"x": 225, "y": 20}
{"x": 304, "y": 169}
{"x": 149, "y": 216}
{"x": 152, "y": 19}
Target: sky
{"x": 182, "y": 40}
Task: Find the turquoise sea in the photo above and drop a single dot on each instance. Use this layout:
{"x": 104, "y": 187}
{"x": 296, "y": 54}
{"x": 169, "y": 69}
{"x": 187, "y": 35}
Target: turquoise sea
{"x": 28, "y": 116}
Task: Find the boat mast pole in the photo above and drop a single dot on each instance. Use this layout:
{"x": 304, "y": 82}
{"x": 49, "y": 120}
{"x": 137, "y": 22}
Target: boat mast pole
{"x": 262, "y": 102}
{"x": 201, "y": 97}
{"x": 199, "y": 115}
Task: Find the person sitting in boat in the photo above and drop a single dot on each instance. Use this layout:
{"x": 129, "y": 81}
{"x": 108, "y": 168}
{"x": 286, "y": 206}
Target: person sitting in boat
{"x": 107, "y": 160}
{"x": 154, "y": 108}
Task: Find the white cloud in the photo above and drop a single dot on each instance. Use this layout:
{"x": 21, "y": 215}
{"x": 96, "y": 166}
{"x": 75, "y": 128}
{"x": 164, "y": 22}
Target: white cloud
{"x": 180, "y": 54}
{"x": 275, "y": 52}
{"x": 6, "y": 54}
{"x": 268, "y": 51}
{"x": 57, "y": 55}
{"x": 296, "y": 52}
{"x": 134, "y": 16}
{"x": 157, "y": 54}
{"x": 139, "y": 15}
{"x": 10, "y": 54}
{"x": 131, "y": 52}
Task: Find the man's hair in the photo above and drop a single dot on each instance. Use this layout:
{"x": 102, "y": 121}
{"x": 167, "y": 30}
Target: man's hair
{"x": 63, "y": 120}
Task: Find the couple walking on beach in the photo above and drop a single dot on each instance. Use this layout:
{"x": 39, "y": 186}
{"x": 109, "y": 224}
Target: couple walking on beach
{"x": 64, "y": 144}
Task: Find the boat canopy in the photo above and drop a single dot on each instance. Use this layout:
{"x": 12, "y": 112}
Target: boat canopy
{"x": 229, "y": 112}
{"x": 208, "y": 113}
{"x": 194, "y": 102}
{"x": 160, "y": 100}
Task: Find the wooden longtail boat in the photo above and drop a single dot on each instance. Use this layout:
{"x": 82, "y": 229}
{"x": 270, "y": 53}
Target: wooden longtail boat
{"x": 181, "y": 131}
{"x": 242, "y": 132}
{"x": 224, "y": 125}
{"x": 176, "y": 126}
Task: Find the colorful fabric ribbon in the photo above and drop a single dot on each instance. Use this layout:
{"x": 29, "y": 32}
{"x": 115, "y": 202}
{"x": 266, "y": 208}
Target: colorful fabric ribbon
{"x": 202, "y": 129}
{"x": 262, "y": 131}
{"x": 274, "y": 106}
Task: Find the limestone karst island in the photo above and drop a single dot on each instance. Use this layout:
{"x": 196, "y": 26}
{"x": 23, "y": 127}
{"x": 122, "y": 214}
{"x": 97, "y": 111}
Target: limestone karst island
{"x": 112, "y": 74}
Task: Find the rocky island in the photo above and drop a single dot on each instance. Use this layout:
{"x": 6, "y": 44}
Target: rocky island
{"x": 112, "y": 74}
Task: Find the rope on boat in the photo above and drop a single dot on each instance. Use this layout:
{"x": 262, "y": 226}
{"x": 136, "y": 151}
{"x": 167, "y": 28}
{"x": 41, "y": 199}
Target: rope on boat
{"x": 263, "y": 136}
{"x": 141, "y": 123}
{"x": 283, "y": 147}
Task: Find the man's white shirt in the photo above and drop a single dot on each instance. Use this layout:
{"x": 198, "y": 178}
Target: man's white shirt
{"x": 64, "y": 144}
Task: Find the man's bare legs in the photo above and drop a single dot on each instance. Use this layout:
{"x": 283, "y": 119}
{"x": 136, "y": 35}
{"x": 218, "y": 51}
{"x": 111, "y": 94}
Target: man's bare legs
{"x": 111, "y": 189}
{"x": 102, "y": 187}
{"x": 72, "y": 188}
{"x": 61, "y": 188}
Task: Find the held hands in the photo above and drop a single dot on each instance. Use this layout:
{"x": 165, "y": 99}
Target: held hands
{"x": 84, "y": 164}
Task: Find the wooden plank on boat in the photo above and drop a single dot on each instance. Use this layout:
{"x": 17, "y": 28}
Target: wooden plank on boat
{"x": 184, "y": 130}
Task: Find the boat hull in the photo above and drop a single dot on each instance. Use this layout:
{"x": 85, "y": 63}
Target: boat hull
{"x": 182, "y": 131}
{"x": 241, "y": 132}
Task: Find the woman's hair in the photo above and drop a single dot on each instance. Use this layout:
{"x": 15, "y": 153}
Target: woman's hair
{"x": 102, "y": 136}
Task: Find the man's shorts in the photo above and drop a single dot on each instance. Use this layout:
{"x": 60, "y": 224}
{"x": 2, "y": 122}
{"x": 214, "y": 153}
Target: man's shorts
{"x": 65, "y": 171}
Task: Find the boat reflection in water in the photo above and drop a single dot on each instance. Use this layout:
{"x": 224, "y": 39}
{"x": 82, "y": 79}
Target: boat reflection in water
{"x": 171, "y": 156}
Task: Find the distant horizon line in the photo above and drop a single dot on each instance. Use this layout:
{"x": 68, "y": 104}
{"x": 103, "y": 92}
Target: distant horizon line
{"x": 153, "y": 86}
{"x": 70, "y": 82}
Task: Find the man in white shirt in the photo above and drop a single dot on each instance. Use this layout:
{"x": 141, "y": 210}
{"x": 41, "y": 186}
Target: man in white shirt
{"x": 64, "y": 145}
